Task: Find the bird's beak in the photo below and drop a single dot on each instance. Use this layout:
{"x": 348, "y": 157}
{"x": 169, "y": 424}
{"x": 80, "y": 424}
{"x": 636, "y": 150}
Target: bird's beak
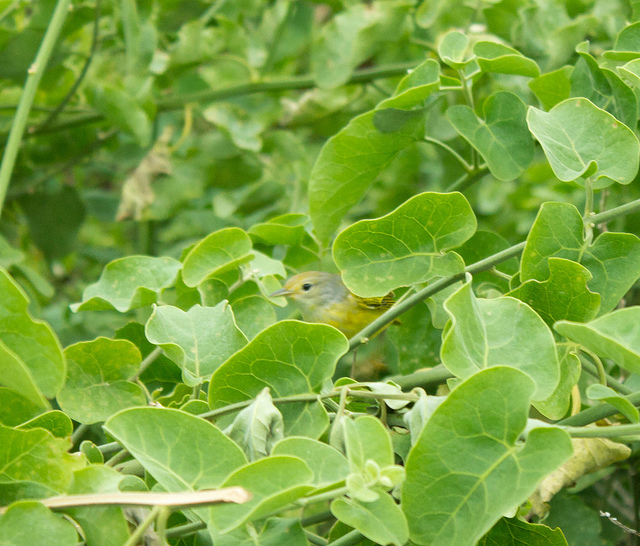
{"x": 281, "y": 292}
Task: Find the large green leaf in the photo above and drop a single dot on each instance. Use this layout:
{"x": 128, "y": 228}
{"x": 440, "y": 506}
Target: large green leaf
{"x": 181, "y": 451}
{"x": 502, "y": 137}
{"x": 615, "y": 336}
{"x": 498, "y": 332}
{"x": 580, "y": 139}
{"x": 348, "y": 163}
{"x": 31, "y": 523}
{"x": 290, "y": 358}
{"x": 613, "y": 259}
{"x": 381, "y": 520}
{"x": 33, "y": 463}
{"x": 221, "y": 251}
{"x": 198, "y": 340}
{"x": 556, "y": 405}
{"x": 328, "y": 465}
{"x": 94, "y": 520}
{"x": 274, "y": 482}
{"x": 563, "y": 296}
{"x": 467, "y": 468}
{"x": 32, "y": 363}
{"x": 129, "y": 283}
{"x": 415, "y": 87}
{"x": 97, "y": 385}
{"x": 406, "y": 246}
{"x": 501, "y": 59}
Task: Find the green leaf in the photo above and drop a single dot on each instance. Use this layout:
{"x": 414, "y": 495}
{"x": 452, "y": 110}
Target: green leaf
{"x": 555, "y": 407}
{"x": 499, "y": 332}
{"x": 450, "y": 497}
{"x": 381, "y": 521}
{"x": 348, "y": 163}
{"x": 95, "y": 520}
{"x": 406, "y": 246}
{"x": 607, "y": 394}
{"x": 122, "y": 110}
{"x": 627, "y": 46}
{"x": 258, "y": 427}
{"x": 415, "y": 87}
{"x": 502, "y": 138}
{"x": 31, "y": 523}
{"x": 252, "y": 312}
{"x": 613, "y": 259}
{"x": 452, "y": 49}
{"x": 32, "y": 361}
{"x": 129, "y": 283}
{"x": 274, "y": 482}
{"x": 290, "y": 358}
{"x": 614, "y": 262}
{"x": 221, "y": 251}
{"x": 56, "y": 422}
{"x": 162, "y": 440}
{"x": 563, "y": 296}
{"x": 631, "y": 72}
{"x": 8, "y": 255}
{"x": 34, "y": 463}
{"x": 552, "y": 87}
{"x": 501, "y": 59}
{"x": 15, "y": 409}
{"x": 556, "y": 232}
{"x": 615, "y": 336}
{"x": 515, "y": 532}
{"x": 367, "y": 439}
{"x": 580, "y": 139}
{"x": 287, "y": 229}
{"x": 198, "y": 340}
{"x": 328, "y": 465}
{"x": 97, "y": 385}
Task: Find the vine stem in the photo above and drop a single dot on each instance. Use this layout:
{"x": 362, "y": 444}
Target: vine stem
{"x": 603, "y": 432}
{"x": 449, "y": 149}
{"x": 601, "y": 373}
{"x": 35, "y": 73}
{"x": 290, "y": 84}
{"x": 596, "y": 413}
{"x": 350, "y": 539}
{"x": 611, "y": 382}
{"x": 140, "y": 530}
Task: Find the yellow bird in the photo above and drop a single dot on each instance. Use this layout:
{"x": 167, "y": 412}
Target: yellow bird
{"x": 323, "y": 297}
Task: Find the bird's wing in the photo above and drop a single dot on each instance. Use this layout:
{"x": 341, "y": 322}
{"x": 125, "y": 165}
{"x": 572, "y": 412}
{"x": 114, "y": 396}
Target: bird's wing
{"x": 376, "y": 303}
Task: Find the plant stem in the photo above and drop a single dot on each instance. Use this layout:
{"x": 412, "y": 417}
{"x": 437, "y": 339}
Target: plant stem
{"x": 350, "y": 539}
{"x": 78, "y": 434}
{"x": 289, "y": 84}
{"x": 315, "y": 539}
{"x": 423, "y": 378}
{"x": 184, "y": 530}
{"x": 316, "y": 518}
{"x": 449, "y": 149}
{"x": 36, "y": 71}
{"x": 117, "y": 458}
{"x": 140, "y": 530}
{"x": 112, "y": 447}
{"x": 94, "y": 48}
{"x": 595, "y": 413}
{"x": 148, "y": 360}
{"x": 611, "y": 382}
{"x": 604, "y": 432}
{"x": 322, "y": 497}
{"x": 601, "y": 373}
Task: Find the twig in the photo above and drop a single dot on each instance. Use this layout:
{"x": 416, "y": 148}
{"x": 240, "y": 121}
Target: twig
{"x": 619, "y": 524}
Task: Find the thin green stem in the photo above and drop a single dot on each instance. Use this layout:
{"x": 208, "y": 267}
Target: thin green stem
{"x": 148, "y": 360}
{"x": 112, "y": 447}
{"x": 397, "y": 310}
{"x": 9, "y": 9}
{"x": 35, "y": 72}
{"x": 611, "y": 382}
{"x": 601, "y": 372}
{"x": 185, "y": 530}
{"x": 350, "y": 539}
{"x": 596, "y": 413}
{"x": 315, "y": 539}
{"x": 78, "y": 434}
{"x": 117, "y": 458}
{"x": 94, "y": 48}
{"x": 161, "y": 525}
{"x": 449, "y": 149}
{"x": 622, "y": 210}
{"x": 289, "y": 84}
{"x": 140, "y": 530}
{"x": 468, "y": 94}
{"x": 424, "y": 378}
{"x": 316, "y": 518}
{"x": 322, "y": 497}
{"x": 617, "y": 431}
{"x": 468, "y": 179}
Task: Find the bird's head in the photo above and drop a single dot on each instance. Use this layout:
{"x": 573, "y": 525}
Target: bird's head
{"x": 314, "y": 289}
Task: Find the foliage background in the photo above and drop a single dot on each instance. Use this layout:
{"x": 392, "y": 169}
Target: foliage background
{"x": 159, "y": 123}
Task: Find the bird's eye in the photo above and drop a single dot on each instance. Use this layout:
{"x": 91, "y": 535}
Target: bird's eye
{"x": 306, "y": 286}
